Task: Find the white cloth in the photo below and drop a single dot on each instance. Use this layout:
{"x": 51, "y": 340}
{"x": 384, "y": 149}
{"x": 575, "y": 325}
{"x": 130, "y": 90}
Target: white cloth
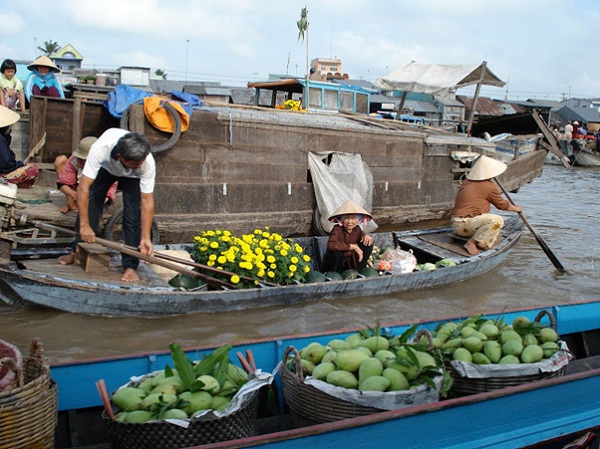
{"x": 100, "y": 156}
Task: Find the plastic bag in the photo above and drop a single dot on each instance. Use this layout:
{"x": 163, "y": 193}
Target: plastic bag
{"x": 397, "y": 261}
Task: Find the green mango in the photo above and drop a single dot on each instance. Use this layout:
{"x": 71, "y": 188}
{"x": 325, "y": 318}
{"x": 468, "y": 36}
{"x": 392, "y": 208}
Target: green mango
{"x": 462, "y": 354}
{"x": 375, "y": 383}
{"x": 492, "y": 350}
{"x": 549, "y": 348}
{"x": 354, "y": 339}
{"x": 341, "y": 378}
{"x": 481, "y": 359}
{"x": 398, "y": 381}
{"x": 548, "y": 334}
{"x": 473, "y": 344}
{"x": 512, "y": 347}
{"x": 532, "y": 354}
{"x": 175, "y": 413}
{"x": 337, "y": 344}
{"x": 128, "y": 398}
{"x": 369, "y": 367}
{"x": 322, "y": 370}
{"x": 315, "y": 352}
{"x": 139, "y": 416}
{"x": 509, "y": 360}
{"x": 375, "y": 343}
{"x": 350, "y": 359}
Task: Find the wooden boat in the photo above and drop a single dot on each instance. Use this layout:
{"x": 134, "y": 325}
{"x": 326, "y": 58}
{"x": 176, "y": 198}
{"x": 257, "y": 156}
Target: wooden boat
{"x": 246, "y": 167}
{"x": 537, "y": 414}
{"x": 586, "y": 158}
{"x": 33, "y": 279}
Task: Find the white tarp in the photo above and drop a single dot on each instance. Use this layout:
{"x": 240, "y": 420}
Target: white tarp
{"x": 347, "y": 177}
{"x": 437, "y": 78}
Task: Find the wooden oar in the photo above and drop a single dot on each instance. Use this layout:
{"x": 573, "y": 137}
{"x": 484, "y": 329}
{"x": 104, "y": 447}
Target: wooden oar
{"x": 542, "y": 244}
{"x": 132, "y": 252}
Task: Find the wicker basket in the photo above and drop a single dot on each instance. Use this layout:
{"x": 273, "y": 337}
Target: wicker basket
{"x": 29, "y": 410}
{"x": 464, "y": 386}
{"x": 309, "y": 405}
{"x": 202, "y": 430}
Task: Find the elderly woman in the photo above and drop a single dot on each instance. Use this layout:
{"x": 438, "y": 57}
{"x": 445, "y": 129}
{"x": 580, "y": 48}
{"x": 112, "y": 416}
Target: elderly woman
{"x": 470, "y": 216}
{"x": 348, "y": 247}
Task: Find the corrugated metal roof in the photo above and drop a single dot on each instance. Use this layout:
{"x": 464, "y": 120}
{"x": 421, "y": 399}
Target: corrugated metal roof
{"x": 490, "y": 108}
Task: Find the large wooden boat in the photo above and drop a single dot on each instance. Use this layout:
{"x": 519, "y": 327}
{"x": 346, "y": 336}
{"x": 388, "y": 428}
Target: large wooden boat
{"x": 243, "y": 167}
{"x": 35, "y": 277}
{"x": 545, "y": 413}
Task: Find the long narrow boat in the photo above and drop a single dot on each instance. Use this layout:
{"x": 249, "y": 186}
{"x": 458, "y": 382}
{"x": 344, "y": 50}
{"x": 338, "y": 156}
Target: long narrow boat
{"x": 587, "y": 158}
{"x": 33, "y": 279}
{"x": 536, "y": 414}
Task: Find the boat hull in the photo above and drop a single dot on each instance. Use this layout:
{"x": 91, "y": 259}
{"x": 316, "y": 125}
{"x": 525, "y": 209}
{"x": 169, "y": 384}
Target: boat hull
{"x": 513, "y": 417}
{"x": 242, "y": 167}
{"x": 78, "y": 295}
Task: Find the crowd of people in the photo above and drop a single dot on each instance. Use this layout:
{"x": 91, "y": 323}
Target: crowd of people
{"x": 573, "y": 137}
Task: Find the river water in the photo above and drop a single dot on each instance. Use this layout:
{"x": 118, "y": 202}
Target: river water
{"x": 561, "y": 205}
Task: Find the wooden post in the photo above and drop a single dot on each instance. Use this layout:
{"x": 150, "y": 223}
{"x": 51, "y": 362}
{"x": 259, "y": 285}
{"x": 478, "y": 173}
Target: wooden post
{"x": 476, "y": 97}
{"x": 401, "y": 105}
{"x": 77, "y": 123}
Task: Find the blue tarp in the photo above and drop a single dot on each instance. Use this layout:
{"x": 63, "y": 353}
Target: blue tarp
{"x": 122, "y": 97}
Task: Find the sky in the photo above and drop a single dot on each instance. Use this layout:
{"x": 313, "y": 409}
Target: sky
{"x": 543, "y": 49}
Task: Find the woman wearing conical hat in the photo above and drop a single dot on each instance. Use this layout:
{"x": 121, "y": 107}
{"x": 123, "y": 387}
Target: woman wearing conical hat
{"x": 41, "y": 80}
{"x": 348, "y": 247}
{"x": 470, "y": 216}
{"x": 11, "y": 169}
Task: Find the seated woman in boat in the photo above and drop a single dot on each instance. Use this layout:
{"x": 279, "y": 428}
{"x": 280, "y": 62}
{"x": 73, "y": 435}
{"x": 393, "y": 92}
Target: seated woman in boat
{"x": 470, "y": 216}
{"x": 69, "y": 172}
{"x": 348, "y": 247}
{"x": 12, "y": 170}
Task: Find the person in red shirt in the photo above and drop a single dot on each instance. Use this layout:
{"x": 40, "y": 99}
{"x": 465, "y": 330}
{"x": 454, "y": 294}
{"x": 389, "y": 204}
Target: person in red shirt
{"x": 69, "y": 171}
{"x": 348, "y": 247}
{"x": 476, "y": 194}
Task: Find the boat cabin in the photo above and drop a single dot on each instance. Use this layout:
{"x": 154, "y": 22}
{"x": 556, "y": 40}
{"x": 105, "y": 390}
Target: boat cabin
{"x": 318, "y": 95}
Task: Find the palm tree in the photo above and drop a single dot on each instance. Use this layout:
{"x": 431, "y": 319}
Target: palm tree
{"x": 160, "y": 72}
{"x": 50, "y": 47}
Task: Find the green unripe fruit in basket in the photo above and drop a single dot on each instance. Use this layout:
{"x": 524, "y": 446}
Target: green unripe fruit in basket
{"x": 520, "y": 321}
{"x": 322, "y": 370}
{"x": 425, "y": 359}
{"x": 509, "y": 360}
{"x": 344, "y": 379}
{"x": 374, "y": 383}
{"x": 492, "y": 350}
{"x": 370, "y": 367}
{"x": 510, "y": 334}
{"x": 139, "y": 416}
{"x": 512, "y": 347}
{"x": 200, "y": 400}
{"x": 339, "y": 345}
{"x": 329, "y": 356}
{"x": 210, "y": 384}
{"x": 307, "y": 367}
{"x": 375, "y": 343}
{"x": 128, "y": 398}
{"x": 462, "y": 354}
{"x": 532, "y": 354}
{"x": 350, "y": 359}
{"x": 398, "y": 381}
{"x": 549, "y": 348}
{"x": 548, "y": 334}
{"x": 315, "y": 352}
{"x": 473, "y": 344}
{"x": 220, "y": 403}
{"x": 384, "y": 354}
{"x": 529, "y": 339}
{"x": 467, "y": 331}
{"x": 155, "y": 398}
{"x": 354, "y": 340}
{"x": 481, "y": 359}
{"x": 490, "y": 330}
{"x": 175, "y": 413}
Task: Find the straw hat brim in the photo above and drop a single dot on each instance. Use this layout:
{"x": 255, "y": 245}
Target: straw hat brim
{"x": 486, "y": 168}
{"x": 8, "y": 117}
{"x": 84, "y": 146}
{"x": 44, "y": 61}
{"x": 350, "y": 207}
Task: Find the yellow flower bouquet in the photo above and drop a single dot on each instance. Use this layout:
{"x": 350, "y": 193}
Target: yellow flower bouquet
{"x": 262, "y": 255}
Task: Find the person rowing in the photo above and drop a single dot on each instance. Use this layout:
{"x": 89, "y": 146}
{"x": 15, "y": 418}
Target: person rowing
{"x": 471, "y": 215}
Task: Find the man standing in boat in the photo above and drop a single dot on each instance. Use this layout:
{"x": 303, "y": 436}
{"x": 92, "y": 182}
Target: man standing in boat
{"x": 122, "y": 156}
{"x": 470, "y": 216}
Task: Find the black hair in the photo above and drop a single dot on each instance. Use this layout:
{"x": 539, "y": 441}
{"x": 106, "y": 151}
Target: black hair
{"x": 8, "y": 64}
{"x": 133, "y": 147}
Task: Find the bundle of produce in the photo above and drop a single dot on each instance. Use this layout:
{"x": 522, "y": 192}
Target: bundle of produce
{"x": 193, "y": 403}
{"x": 485, "y": 354}
{"x": 368, "y": 372}
{"x": 28, "y": 404}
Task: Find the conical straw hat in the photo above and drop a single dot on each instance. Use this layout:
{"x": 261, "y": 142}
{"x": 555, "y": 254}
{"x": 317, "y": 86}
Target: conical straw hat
{"x": 44, "y": 61}
{"x": 486, "y": 168}
{"x": 350, "y": 207}
{"x": 8, "y": 117}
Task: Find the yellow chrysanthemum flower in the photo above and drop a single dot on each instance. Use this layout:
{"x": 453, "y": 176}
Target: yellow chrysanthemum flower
{"x": 293, "y": 268}
{"x": 283, "y": 252}
{"x": 235, "y": 279}
{"x": 222, "y": 259}
{"x": 306, "y": 258}
{"x": 306, "y": 269}
{"x": 294, "y": 260}
{"x": 271, "y": 274}
{"x": 214, "y": 245}
{"x": 212, "y": 257}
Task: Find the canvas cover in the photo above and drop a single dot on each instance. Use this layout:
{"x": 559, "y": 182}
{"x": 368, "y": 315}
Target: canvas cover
{"x": 347, "y": 177}
{"x": 437, "y": 78}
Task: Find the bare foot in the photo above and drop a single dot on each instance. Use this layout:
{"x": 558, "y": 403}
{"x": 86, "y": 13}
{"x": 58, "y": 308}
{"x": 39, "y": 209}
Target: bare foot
{"x": 66, "y": 208}
{"x": 67, "y": 259}
{"x": 130, "y": 275}
{"x": 471, "y": 247}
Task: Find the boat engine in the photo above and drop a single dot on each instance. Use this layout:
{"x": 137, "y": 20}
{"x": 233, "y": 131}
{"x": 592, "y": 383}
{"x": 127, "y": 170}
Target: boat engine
{"x": 8, "y": 195}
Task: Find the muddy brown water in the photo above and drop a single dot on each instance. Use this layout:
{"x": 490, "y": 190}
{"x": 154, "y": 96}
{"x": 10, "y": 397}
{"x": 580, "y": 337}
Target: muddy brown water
{"x": 561, "y": 205}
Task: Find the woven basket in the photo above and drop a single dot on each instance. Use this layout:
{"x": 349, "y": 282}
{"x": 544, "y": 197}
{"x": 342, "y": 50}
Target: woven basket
{"x": 309, "y": 405}
{"x": 464, "y": 386}
{"x": 29, "y": 410}
{"x": 202, "y": 430}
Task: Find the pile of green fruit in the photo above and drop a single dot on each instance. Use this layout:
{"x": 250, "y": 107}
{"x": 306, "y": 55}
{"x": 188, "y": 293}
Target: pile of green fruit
{"x": 182, "y": 392}
{"x": 486, "y": 341}
{"x": 370, "y": 360}
{"x": 428, "y": 266}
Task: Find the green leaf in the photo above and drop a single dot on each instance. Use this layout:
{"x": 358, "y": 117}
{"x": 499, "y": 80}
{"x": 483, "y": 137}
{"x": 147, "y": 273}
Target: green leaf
{"x": 184, "y": 368}
{"x": 207, "y": 365}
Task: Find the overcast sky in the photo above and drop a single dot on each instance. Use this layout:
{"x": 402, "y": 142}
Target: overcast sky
{"x": 541, "y": 48}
